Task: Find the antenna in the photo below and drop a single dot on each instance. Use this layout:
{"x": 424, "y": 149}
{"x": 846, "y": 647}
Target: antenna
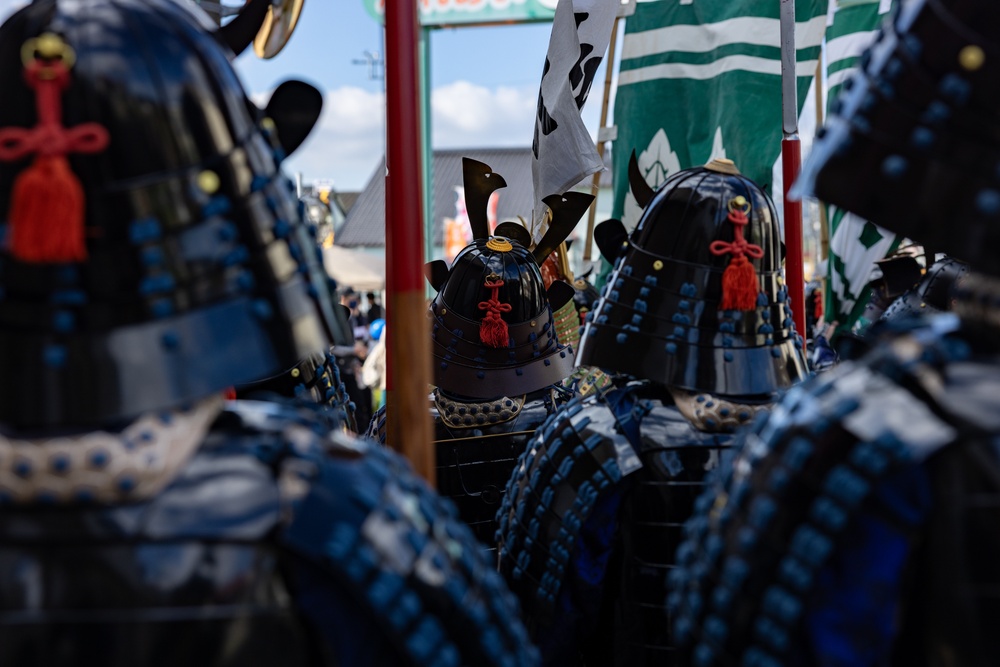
{"x": 375, "y": 64}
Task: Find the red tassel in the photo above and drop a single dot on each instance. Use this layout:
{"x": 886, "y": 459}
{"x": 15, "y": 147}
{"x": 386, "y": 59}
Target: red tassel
{"x": 46, "y": 213}
{"x": 739, "y": 285}
{"x": 47, "y": 204}
{"x": 739, "y": 281}
{"x": 492, "y": 329}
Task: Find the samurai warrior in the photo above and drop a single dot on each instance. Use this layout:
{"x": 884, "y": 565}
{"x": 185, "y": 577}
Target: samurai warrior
{"x": 155, "y": 258}
{"x": 695, "y": 324}
{"x": 498, "y": 361}
{"x": 859, "y": 526}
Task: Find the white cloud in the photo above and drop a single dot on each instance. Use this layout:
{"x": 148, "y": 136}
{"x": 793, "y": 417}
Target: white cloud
{"x": 466, "y": 114}
{"x": 348, "y": 144}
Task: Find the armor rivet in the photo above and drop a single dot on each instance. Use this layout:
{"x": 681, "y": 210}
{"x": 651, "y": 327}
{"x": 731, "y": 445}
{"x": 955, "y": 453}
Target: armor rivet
{"x": 54, "y": 356}
{"x": 170, "y": 340}
{"x": 60, "y": 463}
{"x": 657, "y": 265}
{"x": 209, "y": 182}
{"x": 895, "y": 167}
{"x": 22, "y": 468}
{"x": 296, "y": 372}
{"x": 444, "y": 311}
{"x": 262, "y": 309}
{"x": 533, "y": 323}
{"x": 971, "y": 57}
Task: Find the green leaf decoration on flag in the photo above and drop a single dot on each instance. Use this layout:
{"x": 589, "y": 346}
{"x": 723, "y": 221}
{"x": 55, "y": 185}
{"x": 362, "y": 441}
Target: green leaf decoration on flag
{"x": 702, "y": 80}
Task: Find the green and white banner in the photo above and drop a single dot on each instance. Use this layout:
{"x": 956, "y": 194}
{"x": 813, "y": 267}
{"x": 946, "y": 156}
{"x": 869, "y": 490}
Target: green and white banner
{"x": 700, "y": 80}
{"x": 451, "y": 13}
{"x": 855, "y": 243}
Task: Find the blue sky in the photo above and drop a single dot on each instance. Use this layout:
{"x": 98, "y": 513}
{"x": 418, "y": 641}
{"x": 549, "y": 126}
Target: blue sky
{"x": 484, "y": 87}
{"x": 484, "y": 82}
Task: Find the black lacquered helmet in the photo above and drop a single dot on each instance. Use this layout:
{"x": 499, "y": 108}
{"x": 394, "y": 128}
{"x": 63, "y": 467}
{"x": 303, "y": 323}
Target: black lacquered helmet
{"x": 154, "y": 252}
{"x": 934, "y": 293}
{"x": 492, "y": 327}
{"x": 696, "y": 300}
{"x": 914, "y": 141}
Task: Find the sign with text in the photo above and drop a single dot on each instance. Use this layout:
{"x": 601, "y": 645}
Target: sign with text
{"x": 441, "y": 13}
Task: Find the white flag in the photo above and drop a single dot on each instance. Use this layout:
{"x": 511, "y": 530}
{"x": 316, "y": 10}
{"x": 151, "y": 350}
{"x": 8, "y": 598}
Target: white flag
{"x": 564, "y": 151}
{"x": 855, "y": 243}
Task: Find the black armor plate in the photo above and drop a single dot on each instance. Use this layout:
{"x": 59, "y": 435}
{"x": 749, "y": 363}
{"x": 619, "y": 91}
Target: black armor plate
{"x": 477, "y": 445}
{"x": 769, "y": 543}
{"x": 280, "y": 542}
{"x": 631, "y": 451}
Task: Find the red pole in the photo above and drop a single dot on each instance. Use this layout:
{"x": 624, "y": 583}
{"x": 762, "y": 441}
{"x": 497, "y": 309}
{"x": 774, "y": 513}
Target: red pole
{"x": 409, "y": 426}
{"x": 791, "y": 162}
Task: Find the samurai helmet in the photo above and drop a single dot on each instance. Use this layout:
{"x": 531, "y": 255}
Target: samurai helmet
{"x": 696, "y": 300}
{"x": 913, "y": 141}
{"x": 155, "y": 254}
{"x": 492, "y": 326}
{"x": 934, "y": 293}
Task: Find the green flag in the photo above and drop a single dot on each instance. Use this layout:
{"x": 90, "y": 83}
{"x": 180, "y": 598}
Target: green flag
{"x": 702, "y": 80}
{"x": 855, "y": 243}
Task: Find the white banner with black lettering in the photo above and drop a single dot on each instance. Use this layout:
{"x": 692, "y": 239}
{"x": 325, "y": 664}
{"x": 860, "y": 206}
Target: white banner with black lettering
{"x": 564, "y": 152}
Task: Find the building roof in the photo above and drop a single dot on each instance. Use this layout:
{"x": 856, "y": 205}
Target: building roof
{"x": 346, "y": 200}
{"x": 365, "y": 224}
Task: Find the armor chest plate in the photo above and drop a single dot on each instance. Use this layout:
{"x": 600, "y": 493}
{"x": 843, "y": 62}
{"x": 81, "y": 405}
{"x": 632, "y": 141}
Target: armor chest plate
{"x": 676, "y": 458}
{"x": 475, "y": 462}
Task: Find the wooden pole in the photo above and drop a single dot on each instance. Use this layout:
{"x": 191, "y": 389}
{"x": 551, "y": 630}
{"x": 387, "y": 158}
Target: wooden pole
{"x": 791, "y": 162}
{"x": 408, "y": 425}
{"x": 824, "y": 222}
{"x": 596, "y": 183}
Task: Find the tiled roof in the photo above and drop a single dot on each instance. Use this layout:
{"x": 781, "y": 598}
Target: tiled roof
{"x": 365, "y": 225}
{"x": 347, "y": 200}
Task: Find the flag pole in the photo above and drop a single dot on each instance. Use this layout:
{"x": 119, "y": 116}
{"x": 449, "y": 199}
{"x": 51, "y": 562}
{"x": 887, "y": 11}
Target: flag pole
{"x": 408, "y": 425}
{"x": 824, "y": 223}
{"x": 596, "y": 182}
{"x": 791, "y": 161}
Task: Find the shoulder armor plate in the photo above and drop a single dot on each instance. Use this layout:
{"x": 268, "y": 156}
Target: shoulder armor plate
{"x": 402, "y": 550}
{"x": 805, "y": 473}
{"x": 575, "y": 457}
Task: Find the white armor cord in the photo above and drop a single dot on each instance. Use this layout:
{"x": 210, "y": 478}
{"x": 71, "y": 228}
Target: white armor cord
{"x": 712, "y": 414}
{"x": 103, "y": 467}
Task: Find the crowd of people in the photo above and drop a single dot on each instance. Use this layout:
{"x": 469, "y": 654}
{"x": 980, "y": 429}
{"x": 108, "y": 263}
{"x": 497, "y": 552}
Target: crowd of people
{"x": 653, "y": 475}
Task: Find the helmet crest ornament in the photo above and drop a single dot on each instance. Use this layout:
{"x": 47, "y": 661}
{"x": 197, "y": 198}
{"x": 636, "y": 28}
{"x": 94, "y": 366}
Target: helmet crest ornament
{"x": 739, "y": 281}
{"x": 492, "y": 328}
{"x": 47, "y": 207}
